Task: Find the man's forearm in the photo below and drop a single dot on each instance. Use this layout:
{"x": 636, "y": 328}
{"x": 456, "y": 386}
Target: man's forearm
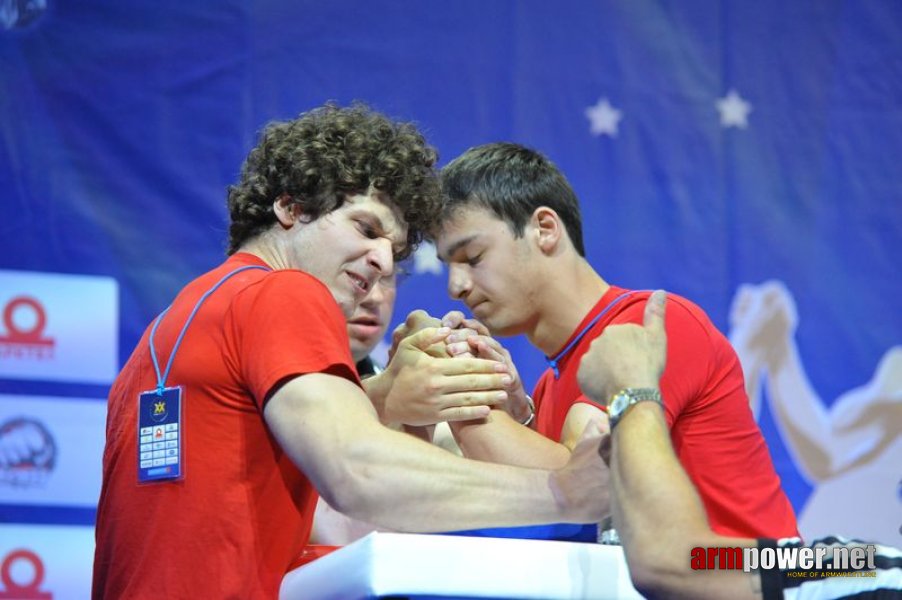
{"x": 396, "y": 486}
{"x": 371, "y": 473}
{"x": 660, "y": 517}
{"x": 499, "y": 439}
{"x": 652, "y": 494}
{"x": 657, "y": 511}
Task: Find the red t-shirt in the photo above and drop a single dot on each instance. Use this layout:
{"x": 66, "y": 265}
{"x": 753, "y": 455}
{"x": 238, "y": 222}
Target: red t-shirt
{"x": 711, "y": 426}
{"x": 243, "y": 511}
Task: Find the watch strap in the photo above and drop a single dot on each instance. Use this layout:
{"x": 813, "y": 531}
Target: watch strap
{"x": 623, "y": 400}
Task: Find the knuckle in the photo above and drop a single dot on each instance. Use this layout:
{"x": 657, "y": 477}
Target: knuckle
{"x": 433, "y": 385}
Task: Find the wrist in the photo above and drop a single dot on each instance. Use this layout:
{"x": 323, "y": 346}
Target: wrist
{"x": 527, "y": 411}
{"x": 646, "y": 421}
{"x": 376, "y": 388}
{"x": 646, "y": 408}
{"x": 628, "y": 398}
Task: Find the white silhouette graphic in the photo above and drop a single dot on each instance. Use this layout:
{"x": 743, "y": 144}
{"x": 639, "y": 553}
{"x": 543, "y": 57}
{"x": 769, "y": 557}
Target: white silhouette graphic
{"x": 851, "y": 451}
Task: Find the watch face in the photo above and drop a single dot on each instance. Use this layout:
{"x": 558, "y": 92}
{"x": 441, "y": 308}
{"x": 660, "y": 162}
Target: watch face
{"x": 619, "y": 404}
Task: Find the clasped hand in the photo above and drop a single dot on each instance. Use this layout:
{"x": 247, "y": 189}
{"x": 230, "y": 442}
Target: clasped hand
{"x": 420, "y": 388}
{"x": 469, "y": 339}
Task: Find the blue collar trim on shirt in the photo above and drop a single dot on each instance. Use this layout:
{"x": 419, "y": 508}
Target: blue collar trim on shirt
{"x": 554, "y": 360}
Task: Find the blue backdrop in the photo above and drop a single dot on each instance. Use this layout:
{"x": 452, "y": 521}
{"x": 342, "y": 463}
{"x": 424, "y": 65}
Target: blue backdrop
{"x": 712, "y": 144}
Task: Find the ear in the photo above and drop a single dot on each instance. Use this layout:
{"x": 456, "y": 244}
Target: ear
{"x": 548, "y": 229}
{"x": 285, "y": 210}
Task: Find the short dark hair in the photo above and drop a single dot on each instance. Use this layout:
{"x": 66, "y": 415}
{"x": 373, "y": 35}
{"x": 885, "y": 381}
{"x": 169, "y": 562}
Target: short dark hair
{"x": 327, "y": 154}
{"x": 511, "y": 181}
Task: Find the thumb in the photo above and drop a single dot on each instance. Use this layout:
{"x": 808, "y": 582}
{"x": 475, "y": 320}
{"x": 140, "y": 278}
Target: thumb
{"x": 426, "y": 337}
{"x": 654, "y": 313}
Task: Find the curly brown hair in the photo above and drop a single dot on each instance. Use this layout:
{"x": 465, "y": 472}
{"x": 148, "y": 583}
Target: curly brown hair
{"x": 327, "y": 154}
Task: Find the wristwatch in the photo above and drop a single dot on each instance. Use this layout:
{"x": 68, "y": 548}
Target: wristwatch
{"x": 625, "y": 398}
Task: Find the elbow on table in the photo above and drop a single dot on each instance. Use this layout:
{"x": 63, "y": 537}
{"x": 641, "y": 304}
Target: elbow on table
{"x": 655, "y": 575}
{"x": 650, "y": 581}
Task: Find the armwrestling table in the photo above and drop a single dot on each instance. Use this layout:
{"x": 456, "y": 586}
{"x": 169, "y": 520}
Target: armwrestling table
{"x": 400, "y": 565}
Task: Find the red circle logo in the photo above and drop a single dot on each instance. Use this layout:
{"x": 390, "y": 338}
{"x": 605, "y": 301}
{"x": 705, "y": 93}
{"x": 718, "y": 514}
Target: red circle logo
{"x": 30, "y": 589}
{"x": 32, "y": 334}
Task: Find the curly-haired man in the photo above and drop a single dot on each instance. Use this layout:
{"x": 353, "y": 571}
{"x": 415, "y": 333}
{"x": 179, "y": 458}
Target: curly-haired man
{"x": 241, "y": 400}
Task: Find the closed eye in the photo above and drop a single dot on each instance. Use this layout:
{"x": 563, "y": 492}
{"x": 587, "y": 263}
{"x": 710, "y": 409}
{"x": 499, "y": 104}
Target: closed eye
{"x": 368, "y": 230}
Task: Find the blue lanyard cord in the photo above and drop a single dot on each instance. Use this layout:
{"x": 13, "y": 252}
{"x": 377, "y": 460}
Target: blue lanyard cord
{"x": 161, "y": 380}
{"x": 554, "y": 360}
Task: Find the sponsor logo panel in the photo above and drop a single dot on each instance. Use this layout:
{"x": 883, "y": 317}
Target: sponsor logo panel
{"x": 51, "y": 450}
{"x": 46, "y": 562}
{"x": 58, "y": 327}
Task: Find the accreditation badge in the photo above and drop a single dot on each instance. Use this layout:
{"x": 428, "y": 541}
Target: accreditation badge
{"x": 160, "y": 435}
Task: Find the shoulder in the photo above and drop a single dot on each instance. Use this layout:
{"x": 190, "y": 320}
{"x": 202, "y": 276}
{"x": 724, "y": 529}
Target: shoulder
{"x": 287, "y": 287}
{"x": 245, "y": 276}
{"x": 289, "y": 301}
{"x": 296, "y": 280}
{"x": 682, "y": 315}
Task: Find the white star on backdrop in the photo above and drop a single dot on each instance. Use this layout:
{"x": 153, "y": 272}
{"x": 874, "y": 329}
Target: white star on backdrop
{"x": 425, "y": 260}
{"x": 734, "y": 111}
{"x": 604, "y": 119}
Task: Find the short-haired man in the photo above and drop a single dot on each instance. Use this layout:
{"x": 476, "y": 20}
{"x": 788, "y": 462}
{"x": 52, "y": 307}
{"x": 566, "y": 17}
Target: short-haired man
{"x": 368, "y": 324}
{"x": 512, "y": 240}
{"x": 241, "y": 400}
{"x": 648, "y": 488}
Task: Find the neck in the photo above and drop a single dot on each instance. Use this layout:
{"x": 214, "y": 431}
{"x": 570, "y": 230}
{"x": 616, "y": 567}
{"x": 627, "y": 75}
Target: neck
{"x": 564, "y": 305}
{"x": 266, "y": 248}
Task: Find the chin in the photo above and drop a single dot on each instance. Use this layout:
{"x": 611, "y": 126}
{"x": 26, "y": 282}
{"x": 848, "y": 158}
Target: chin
{"x": 364, "y": 348}
{"x": 500, "y": 328}
{"x": 502, "y": 331}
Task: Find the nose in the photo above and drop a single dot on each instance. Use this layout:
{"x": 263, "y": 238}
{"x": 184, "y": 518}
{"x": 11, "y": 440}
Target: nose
{"x": 376, "y": 295}
{"x": 458, "y": 281}
{"x": 380, "y": 257}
